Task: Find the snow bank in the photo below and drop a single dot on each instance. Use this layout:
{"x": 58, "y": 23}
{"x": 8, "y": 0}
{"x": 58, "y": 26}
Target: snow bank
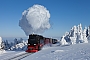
{"x": 2, "y": 51}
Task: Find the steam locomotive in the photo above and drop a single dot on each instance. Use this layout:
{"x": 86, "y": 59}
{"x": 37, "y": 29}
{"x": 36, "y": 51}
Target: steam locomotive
{"x": 36, "y": 42}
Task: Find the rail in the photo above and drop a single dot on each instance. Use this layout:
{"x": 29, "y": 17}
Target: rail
{"x": 19, "y": 57}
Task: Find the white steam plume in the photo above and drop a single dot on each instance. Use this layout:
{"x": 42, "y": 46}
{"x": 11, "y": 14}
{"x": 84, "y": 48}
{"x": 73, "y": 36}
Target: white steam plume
{"x": 35, "y": 19}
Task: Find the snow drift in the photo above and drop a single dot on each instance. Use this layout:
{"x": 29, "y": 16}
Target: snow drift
{"x": 35, "y": 19}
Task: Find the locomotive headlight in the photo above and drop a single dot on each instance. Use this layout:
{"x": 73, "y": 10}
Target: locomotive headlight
{"x": 34, "y": 44}
{"x": 28, "y": 44}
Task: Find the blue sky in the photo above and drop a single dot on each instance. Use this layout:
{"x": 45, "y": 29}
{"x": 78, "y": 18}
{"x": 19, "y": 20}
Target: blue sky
{"x": 64, "y": 15}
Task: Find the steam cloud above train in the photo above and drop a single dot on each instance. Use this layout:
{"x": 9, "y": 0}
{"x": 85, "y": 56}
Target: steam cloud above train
{"x": 35, "y": 19}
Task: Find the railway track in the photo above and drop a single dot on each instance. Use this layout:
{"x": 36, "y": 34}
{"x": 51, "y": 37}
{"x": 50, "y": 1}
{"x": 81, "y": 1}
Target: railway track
{"x": 21, "y": 56}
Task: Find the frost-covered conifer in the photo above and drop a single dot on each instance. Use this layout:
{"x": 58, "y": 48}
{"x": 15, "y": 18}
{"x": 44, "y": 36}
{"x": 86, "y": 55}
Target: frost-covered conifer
{"x": 0, "y": 43}
{"x": 63, "y": 41}
{"x": 77, "y": 35}
{"x": 15, "y": 41}
{"x": 1, "y": 46}
{"x": 84, "y": 35}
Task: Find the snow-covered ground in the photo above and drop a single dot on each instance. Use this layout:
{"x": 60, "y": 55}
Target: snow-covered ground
{"x": 9, "y": 54}
{"x": 72, "y": 52}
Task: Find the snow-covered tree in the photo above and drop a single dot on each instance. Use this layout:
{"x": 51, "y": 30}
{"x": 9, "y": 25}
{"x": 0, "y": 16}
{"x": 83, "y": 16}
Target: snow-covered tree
{"x": 20, "y": 40}
{"x": 16, "y": 45}
{"x": 74, "y": 35}
{"x": 1, "y": 46}
{"x": 15, "y": 41}
{"x": 77, "y": 35}
{"x": 85, "y": 40}
{"x": 89, "y": 30}
{"x": 73, "y": 40}
{"x": 0, "y": 43}
{"x": 63, "y": 41}
{"x": 7, "y": 45}
{"x": 67, "y": 38}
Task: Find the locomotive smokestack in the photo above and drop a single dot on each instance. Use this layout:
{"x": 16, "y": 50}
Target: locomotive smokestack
{"x": 35, "y": 19}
